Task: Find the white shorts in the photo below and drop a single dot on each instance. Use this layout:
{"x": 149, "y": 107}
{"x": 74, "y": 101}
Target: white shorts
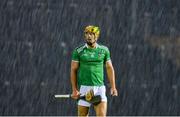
{"x": 98, "y": 90}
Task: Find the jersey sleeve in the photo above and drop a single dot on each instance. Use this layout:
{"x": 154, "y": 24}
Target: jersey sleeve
{"x": 107, "y": 55}
{"x": 75, "y": 56}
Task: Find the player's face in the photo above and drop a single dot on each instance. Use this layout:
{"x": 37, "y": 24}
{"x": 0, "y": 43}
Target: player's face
{"x": 90, "y": 38}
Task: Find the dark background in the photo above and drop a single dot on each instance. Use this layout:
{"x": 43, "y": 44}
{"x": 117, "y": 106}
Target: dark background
{"x": 38, "y": 36}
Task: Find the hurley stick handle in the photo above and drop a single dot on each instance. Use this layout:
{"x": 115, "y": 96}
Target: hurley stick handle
{"x": 63, "y": 96}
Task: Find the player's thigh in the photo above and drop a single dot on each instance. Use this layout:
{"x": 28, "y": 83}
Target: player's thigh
{"x": 101, "y": 109}
{"x": 83, "y": 110}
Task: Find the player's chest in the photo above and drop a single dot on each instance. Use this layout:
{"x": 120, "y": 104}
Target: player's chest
{"x": 89, "y": 55}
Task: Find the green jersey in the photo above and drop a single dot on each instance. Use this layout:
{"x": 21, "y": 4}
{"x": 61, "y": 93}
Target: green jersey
{"x": 91, "y": 64}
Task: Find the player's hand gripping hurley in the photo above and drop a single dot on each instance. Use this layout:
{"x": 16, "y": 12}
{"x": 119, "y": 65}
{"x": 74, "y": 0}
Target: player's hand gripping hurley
{"x": 89, "y": 96}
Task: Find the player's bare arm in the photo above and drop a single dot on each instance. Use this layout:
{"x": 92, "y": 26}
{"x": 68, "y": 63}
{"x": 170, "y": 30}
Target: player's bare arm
{"x": 74, "y": 68}
{"x": 111, "y": 77}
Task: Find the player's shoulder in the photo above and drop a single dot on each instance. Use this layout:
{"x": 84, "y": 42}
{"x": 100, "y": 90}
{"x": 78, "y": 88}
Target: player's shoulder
{"x": 103, "y": 47}
{"x": 80, "y": 48}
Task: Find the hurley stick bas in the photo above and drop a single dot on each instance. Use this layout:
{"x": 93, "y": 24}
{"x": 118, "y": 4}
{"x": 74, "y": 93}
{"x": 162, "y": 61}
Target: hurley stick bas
{"x": 89, "y": 96}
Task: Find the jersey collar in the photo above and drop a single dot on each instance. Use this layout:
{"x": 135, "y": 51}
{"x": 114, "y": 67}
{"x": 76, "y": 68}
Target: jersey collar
{"x": 97, "y": 45}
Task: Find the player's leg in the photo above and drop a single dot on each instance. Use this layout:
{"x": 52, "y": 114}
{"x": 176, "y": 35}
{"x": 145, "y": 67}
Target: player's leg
{"x": 101, "y": 109}
{"x": 83, "y": 106}
{"x": 83, "y": 110}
